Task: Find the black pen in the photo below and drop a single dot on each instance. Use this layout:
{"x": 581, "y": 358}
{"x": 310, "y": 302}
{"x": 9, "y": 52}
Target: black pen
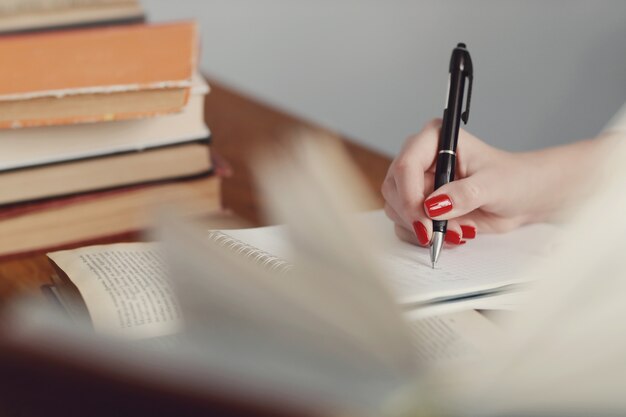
{"x": 460, "y": 69}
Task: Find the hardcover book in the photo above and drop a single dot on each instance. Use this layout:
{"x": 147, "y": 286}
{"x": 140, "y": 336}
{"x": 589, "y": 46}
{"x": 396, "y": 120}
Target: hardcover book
{"x": 106, "y": 172}
{"x": 78, "y": 220}
{"x": 97, "y": 74}
{"x": 25, "y": 148}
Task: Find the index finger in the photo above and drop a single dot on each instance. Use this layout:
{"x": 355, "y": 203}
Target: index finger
{"x": 422, "y": 148}
{"x": 409, "y": 168}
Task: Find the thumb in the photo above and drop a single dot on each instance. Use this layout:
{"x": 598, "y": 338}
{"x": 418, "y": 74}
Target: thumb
{"x": 455, "y": 199}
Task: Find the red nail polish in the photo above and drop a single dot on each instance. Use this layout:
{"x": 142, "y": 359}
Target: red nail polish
{"x": 421, "y": 232}
{"x": 438, "y": 205}
{"x": 453, "y": 238}
{"x": 469, "y": 232}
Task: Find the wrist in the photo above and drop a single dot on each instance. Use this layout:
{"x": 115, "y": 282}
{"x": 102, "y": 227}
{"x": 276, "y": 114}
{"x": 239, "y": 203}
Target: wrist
{"x": 564, "y": 177}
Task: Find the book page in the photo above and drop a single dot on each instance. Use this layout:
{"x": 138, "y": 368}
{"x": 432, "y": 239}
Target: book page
{"x": 448, "y": 338}
{"x": 500, "y": 301}
{"x": 124, "y": 287}
{"x": 490, "y": 262}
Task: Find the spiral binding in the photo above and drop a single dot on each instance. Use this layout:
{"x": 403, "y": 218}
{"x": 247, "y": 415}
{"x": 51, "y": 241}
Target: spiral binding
{"x": 266, "y": 260}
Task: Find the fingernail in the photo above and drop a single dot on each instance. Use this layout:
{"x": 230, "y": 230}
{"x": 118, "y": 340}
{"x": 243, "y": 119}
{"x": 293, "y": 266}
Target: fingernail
{"x": 469, "y": 232}
{"x": 421, "y": 232}
{"x": 438, "y": 205}
{"x": 453, "y": 238}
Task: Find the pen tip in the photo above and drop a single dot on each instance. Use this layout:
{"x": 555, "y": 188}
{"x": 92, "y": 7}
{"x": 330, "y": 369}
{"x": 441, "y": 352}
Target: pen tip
{"x": 432, "y": 264}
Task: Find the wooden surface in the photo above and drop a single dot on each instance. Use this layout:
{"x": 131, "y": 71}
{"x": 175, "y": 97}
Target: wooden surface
{"x": 240, "y": 126}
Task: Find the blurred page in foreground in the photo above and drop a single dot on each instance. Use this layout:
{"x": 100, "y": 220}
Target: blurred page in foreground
{"x": 565, "y": 352}
{"x": 329, "y": 338}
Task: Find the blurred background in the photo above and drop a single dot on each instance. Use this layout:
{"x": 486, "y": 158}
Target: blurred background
{"x": 546, "y": 71}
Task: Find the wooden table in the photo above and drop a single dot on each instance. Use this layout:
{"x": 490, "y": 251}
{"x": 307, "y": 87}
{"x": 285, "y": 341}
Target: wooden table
{"x": 240, "y": 125}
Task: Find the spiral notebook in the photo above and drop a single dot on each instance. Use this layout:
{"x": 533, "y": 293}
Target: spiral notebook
{"x": 488, "y": 265}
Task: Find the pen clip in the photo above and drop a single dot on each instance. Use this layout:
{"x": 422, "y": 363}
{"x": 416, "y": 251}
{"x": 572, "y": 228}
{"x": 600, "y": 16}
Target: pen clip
{"x": 465, "y": 114}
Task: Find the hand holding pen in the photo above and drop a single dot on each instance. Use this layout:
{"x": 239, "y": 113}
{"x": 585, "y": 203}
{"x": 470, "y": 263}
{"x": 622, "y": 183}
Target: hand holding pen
{"x": 494, "y": 190}
{"x": 429, "y": 162}
{"x": 460, "y": 78}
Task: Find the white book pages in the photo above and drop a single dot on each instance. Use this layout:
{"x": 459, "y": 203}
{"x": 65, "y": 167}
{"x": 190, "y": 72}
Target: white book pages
{"x": 331, "y": 251}
{"x": 21, "y": 148}
{"x": 450, "y": 338}
{"x": 278, "y": 329}
{"x": 125, "y": 288}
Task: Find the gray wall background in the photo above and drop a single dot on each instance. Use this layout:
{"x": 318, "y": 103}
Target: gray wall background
{"x": 546, "y": 72}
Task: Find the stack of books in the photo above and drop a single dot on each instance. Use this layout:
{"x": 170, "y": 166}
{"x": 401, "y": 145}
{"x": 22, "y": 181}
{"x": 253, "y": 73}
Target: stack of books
{"x": 97, "y": 127}
{"x": 34, "y": 15}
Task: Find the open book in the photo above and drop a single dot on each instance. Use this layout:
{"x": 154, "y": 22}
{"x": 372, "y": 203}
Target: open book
{"x": 211, "y": 316}
{"x": 124, "y": 290}
{"x": 466, "y": 279}
{"x": 317, "y": 313}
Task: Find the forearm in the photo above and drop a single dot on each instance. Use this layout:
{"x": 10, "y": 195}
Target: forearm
{"x": 566, "y": 176}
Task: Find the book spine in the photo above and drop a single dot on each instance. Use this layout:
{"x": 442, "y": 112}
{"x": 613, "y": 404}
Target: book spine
{"x": 21, "y": 207}
{"x": 201, "y": 141}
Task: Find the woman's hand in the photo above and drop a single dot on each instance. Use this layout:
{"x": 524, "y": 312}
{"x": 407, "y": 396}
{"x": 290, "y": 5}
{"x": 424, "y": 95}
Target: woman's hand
{"x": 494, "y": 190}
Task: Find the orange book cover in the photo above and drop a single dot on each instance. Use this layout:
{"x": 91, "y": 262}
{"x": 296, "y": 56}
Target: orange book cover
{"x": 95, "y": 62}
